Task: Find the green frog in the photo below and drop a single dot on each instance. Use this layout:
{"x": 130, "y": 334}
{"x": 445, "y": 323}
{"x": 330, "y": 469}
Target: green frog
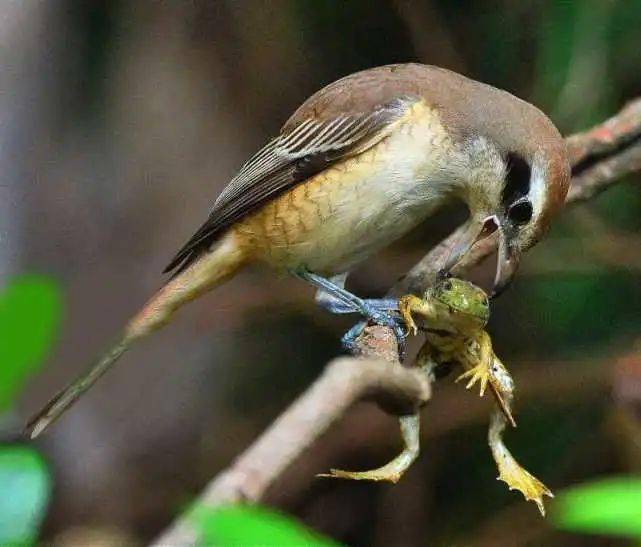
{"x": 453, "y": 315}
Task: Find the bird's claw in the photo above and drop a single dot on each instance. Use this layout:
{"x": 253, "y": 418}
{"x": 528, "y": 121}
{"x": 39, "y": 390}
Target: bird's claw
{"x": 378, "y": 318}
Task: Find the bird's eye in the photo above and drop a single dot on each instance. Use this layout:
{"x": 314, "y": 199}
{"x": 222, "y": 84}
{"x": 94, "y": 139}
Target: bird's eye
{"x": 520, "y": 212}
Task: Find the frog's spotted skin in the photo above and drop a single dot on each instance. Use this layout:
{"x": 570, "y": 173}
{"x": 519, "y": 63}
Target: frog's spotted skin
{"x": 462, "y": 297}
{"x": 453, "y": 314}
{"x": 452, "y": 305}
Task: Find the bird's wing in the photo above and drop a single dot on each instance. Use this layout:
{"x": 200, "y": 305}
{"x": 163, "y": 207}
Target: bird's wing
{"x": 298, "y": 153}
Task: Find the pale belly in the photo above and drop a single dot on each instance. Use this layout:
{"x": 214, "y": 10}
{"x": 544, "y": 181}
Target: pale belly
{"x": 335, "y": 220}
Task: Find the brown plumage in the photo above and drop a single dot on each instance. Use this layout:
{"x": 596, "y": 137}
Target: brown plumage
{"x": 359, "y": 164}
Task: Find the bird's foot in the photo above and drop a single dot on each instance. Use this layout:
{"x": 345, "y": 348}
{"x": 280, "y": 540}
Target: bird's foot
{"x": 348, "y": 340}
{"x": 394, "y": 470}
{"x": 519, "y": 479}
{"x": 337, "y": 299}
{"x": 378, "y": 318}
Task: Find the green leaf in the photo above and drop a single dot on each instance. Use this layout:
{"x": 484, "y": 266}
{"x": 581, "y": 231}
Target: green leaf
{"x": 30, "y": 311}
{"x": 25, "y": 487}
{"x": 252, "y": 526}
{"x": 611, "y": 506}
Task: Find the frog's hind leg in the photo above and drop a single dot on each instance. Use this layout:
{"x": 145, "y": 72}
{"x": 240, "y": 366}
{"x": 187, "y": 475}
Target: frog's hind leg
{"x": 410, "y": 432}
{"x": 510, "y": 471}
{"x": 394, "y": 470}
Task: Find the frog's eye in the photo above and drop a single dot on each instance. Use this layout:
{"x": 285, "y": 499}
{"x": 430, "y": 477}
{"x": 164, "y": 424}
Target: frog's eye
{"x": 447, "y": 285}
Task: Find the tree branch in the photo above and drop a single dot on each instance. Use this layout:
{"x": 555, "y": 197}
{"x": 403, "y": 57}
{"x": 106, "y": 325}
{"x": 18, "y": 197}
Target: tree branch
{"x": 600, "y": 157}
{"x": 344, "y": 381}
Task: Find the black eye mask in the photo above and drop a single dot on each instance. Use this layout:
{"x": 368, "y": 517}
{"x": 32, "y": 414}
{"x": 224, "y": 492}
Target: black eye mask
{"x": 517, "y": 179}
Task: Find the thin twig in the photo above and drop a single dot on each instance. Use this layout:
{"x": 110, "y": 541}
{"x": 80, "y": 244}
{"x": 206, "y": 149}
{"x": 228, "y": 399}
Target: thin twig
{"x": 344, "y": 381}
{"x": 600, "y": 157}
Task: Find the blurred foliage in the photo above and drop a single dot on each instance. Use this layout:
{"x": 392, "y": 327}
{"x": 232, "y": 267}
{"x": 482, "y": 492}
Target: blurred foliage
{"x": 30, "y": 312}
{"x": 25, "y": 485}
{"x": 253, "y": 526}
{"x": 609, "y": 506}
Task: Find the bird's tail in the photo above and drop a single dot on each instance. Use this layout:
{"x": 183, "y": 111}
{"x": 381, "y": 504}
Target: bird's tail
{"x": 211, "y": 270}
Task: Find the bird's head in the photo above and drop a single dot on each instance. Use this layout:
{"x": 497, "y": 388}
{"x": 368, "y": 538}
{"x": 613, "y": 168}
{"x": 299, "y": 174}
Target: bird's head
{"x": 514, "y": 187}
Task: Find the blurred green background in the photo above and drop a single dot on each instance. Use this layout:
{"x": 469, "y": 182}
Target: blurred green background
{"x": 121, "y": 123}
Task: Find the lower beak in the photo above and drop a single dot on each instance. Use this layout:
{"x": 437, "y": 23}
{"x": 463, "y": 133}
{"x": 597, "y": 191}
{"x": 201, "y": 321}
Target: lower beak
{"x": 506, "y": 265}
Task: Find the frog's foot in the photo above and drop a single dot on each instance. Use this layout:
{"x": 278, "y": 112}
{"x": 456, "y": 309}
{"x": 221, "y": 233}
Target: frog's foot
{"x": 499, "y": 381}
{"x": 519, "y": 479}
{"x": 406, "y": 305}
{"x": 480, "y": 373}
{"x": 394, "y": 470}
{"x": 391, "y": 472}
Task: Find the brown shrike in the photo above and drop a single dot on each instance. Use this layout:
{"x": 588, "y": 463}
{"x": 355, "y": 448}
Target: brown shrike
{"x": 359, "y": 164}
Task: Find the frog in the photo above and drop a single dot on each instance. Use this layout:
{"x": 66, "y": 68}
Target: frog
{"x": 453, "y": 314}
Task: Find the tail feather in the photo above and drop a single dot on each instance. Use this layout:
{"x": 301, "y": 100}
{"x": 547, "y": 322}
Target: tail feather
{"x": 211, "y": 270}
{"x": 69, "y": 395}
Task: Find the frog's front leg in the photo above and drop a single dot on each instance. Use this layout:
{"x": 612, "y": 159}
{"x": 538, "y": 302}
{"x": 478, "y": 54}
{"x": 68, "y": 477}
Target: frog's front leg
{"x": 482, "y": 365}
{"x": 410, "y": 304}
{"x": 510, "y": 471}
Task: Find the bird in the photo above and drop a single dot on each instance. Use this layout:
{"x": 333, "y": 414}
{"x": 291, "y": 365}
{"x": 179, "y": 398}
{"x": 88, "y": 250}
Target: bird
{"x": 359, "y": 164}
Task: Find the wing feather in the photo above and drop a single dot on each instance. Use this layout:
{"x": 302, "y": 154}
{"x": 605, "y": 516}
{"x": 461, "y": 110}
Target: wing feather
{"x": 290, "y": 158}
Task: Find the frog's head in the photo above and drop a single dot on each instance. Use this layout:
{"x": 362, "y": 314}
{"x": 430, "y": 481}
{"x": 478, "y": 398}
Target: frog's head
{"x": 459, "y": 305}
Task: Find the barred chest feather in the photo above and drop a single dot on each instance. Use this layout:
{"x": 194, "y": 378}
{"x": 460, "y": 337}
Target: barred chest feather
{"x": 340, "y": 217}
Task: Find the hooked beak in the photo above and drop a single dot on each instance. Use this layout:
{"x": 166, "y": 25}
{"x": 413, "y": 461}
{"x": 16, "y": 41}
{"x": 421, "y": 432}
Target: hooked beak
{"x": 474, "y": 231}
{"x": 507, "y": 263}
{"x": 508, "y": 257}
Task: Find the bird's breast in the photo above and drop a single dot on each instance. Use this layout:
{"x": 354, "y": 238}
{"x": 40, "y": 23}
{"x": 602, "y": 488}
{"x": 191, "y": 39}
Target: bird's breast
{"x": 339, "y": 217}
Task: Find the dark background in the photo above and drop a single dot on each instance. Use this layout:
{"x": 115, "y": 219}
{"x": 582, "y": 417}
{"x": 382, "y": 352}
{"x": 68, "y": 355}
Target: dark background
{"x": 121, "y": 123}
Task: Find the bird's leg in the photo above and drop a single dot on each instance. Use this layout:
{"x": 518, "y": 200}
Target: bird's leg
{"x": 410, "y": 433}
{"x": 344, "y": 299}
{"x": 384, "y": 305}
{"x": 348, "y": 340}
{"x": 510, "y": 471}
{"x": 483, "y": 366}
{"x": 329, "y": 302}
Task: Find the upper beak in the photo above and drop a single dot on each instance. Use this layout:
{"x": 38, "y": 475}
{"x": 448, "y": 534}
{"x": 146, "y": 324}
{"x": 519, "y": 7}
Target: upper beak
{"x": 475, "y": 230}
{"x": 506, "y": 264}
{"x": 468, "y": 238}
{"x": 508, "y": 257}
